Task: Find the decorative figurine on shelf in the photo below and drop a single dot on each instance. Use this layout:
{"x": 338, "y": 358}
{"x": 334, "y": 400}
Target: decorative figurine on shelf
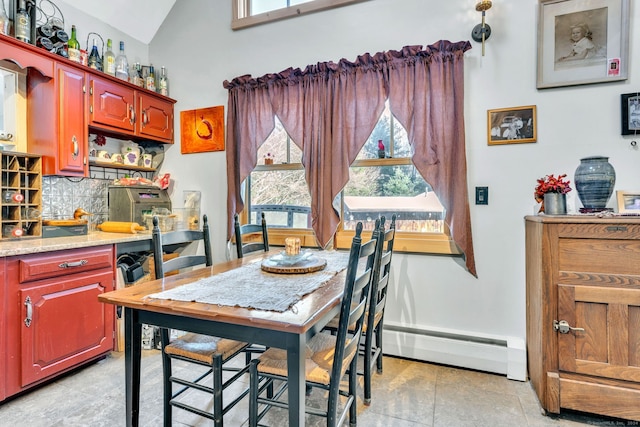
{"x": 381, "y": 153}
{"x": 268, "y": 159}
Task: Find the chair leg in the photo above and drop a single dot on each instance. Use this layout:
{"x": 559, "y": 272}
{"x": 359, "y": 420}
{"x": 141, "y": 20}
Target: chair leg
{"x": 217, "y": 391}
{"x": 379, "y": 345}
{"x": 353, "y": 381}
{"x": 253, "y": 393}
{"x": 367, "y": 369}
{"x": 166, "y": 375}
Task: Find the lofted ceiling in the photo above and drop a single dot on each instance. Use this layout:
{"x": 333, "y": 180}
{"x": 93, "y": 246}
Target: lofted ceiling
{"x": 139, "y": 19}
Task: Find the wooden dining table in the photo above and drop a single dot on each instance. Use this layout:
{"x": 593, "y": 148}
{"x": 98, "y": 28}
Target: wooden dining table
{"x": 289, "y": 330}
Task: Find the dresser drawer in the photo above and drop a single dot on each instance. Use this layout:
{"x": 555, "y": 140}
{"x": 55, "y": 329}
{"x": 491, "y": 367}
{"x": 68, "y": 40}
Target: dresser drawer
{"x": 613, "y": 230}
{"x": 608, "y": 256}
{"x": 60, "y": 263}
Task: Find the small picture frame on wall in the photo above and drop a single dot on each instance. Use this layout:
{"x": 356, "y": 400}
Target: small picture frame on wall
{"x": 628, "y": 202}
{"x": 630, "y": 113}
{"x": 515, "y": 125}
{"x": 582, "y": 42}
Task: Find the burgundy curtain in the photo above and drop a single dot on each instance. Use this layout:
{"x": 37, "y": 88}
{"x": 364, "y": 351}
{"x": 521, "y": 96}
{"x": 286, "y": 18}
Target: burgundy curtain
{"x": 427, "y": 97}
{"x": 330, "y": 109}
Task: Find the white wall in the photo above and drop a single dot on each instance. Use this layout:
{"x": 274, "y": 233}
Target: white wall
{"x": 200, "y": 51}
{"x": 136, "y": 51}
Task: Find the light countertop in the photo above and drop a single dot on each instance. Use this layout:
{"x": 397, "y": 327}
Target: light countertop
{"x": 97, "y": 238}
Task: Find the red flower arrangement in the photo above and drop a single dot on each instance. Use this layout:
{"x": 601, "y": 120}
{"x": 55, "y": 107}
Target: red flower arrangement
{"x": 551, "y": 184}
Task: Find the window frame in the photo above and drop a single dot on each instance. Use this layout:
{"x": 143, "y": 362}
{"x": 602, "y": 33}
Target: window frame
{"x": 408, "y": 242}
{"x": 242, "y": 19}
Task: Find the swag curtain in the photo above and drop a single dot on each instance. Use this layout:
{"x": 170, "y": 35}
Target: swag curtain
{"x": 330, "y": 109}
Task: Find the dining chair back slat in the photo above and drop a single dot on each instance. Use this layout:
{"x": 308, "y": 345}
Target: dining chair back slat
{"x": 245, "y": 247}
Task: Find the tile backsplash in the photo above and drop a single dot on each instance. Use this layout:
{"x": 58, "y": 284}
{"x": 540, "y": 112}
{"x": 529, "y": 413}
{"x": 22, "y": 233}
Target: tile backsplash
{"x": 61, "y": 196}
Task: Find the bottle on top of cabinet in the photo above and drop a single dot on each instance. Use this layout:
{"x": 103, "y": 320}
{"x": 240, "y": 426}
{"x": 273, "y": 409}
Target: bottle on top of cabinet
{"x": 150, "y": 81}
{"x": 122, "y": 65}
{"x": 109, "y": 61}
{"x": 163, "y": 83}
{"x": 23, "y": 23}
{"x": 73, "y": 46}
{"x": 95, "y": 61}
{"x": 136, "y": 75}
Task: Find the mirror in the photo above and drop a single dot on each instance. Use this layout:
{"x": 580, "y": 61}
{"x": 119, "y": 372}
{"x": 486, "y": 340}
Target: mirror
{"x": 12, "y": 106}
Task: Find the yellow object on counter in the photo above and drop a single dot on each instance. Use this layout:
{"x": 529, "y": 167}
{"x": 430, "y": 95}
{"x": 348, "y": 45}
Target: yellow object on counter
{"x": 120, "y": 227}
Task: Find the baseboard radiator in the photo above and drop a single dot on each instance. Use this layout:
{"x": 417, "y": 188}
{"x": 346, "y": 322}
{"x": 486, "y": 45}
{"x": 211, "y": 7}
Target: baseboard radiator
{"x": 497, "y": 354}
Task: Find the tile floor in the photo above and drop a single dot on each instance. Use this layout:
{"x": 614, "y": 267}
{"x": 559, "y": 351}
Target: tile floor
{"x": 408, "y": 394}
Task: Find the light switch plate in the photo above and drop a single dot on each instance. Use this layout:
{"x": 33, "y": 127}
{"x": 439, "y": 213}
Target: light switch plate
{"x": 482, "y": 195}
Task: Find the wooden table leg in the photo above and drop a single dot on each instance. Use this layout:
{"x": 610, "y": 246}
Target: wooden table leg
{"x": 296, "y": 374}
{"x": 132, "y": 355}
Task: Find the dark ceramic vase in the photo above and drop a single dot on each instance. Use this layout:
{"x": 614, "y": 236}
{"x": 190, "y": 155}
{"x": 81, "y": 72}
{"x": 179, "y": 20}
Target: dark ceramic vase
{"x": 594, "y": 180}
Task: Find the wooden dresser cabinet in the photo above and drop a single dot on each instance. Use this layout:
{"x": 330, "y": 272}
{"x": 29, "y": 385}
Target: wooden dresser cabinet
{"x": 583, "y": 313}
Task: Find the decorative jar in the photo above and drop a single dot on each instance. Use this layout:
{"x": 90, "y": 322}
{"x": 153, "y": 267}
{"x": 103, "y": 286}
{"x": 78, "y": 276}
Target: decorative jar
{"x": 594, "y": 179}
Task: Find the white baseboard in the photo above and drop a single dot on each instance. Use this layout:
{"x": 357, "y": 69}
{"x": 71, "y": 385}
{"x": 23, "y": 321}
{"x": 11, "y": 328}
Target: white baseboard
{"x": 497, "y": 354}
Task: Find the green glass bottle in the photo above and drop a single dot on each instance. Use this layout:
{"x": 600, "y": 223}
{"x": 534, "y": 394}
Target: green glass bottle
{"x": 73, "y": 46}
{"x": 109, "y": 63}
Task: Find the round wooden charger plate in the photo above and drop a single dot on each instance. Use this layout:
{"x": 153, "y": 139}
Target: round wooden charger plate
{"x": 308, "y": 265}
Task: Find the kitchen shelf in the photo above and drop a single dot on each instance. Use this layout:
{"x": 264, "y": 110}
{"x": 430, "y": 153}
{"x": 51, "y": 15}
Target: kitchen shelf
{"x": 21, "y": 174}
{"x": 102, "y": 170}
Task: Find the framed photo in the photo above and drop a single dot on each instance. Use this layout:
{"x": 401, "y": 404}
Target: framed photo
{"x": 628, "y": 202}
{"x": 630, "y": 113}
{"x": 513, "y": 125}
{"x": 582, "y": 42}
{"x": 202, "y": 130}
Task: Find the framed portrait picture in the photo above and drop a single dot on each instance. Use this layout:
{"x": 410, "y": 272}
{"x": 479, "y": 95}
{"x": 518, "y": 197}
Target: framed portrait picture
{"x": 202, "y": 130}
{"x": 513, "y": 125}
{"x": 630, "y": 113}
{"x": 582, "y": 42}
{"x": 628, "y": 202}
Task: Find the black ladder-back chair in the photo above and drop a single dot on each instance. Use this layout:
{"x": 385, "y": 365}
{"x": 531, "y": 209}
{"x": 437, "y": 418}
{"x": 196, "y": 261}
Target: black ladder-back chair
{"x": 243, "y": 248}
{"x": 372, "y": 348}
{"x": 330, "y": 356}
{"x": 203, "y": 350}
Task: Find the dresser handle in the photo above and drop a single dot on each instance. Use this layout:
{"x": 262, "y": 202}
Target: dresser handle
{"x": 563, "y": 327}
{"x": 73, "y": 264}
{"x": 614, "y": 228}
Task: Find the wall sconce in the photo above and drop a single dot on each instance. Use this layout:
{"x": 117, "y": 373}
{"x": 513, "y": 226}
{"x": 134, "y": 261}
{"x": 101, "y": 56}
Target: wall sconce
{"x": 481, "y": 32}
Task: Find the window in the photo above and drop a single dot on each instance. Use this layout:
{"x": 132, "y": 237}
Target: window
{"x": 247, "y": 13}
{"x": 381, "y": 182}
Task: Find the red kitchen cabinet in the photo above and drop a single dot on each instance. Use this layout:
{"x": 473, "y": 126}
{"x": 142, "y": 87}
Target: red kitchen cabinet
{"x": 156, "y": 117}
{"x": 53, "y": 319}
{"x": 119, "y": 108}
{"x": 111, "y": 106}
{"x": 56, "y": 121}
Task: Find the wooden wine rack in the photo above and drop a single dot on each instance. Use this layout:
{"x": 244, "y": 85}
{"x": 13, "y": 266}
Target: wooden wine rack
{"x": 21, "y": 173}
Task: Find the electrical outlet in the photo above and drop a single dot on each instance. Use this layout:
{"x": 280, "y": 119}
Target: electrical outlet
{"x": 482, "y": 195}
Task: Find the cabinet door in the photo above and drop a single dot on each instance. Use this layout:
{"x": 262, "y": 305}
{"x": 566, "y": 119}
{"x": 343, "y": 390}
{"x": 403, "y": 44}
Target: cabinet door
{"x": 63, "y": 324}
{"x": 111, "y": 105}
{"x": 72, "y": 141}
{"x": 156, "y": 118}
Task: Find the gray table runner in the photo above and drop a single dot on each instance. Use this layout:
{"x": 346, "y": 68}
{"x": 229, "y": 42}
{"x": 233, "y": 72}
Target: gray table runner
{"x": 250, "y": 287}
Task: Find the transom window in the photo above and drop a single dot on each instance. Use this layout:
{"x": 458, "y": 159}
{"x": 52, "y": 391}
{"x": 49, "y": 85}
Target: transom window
{"x": 247, "y": 13}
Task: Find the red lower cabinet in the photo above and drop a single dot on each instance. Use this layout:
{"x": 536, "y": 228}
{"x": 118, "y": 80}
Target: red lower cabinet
{"x": 54, "y": 320}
